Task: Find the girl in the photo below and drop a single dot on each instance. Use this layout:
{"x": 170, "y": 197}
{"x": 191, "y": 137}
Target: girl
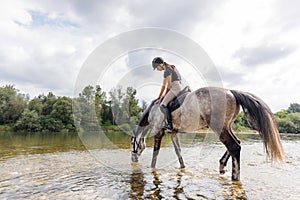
{"x": 172, "y": 86}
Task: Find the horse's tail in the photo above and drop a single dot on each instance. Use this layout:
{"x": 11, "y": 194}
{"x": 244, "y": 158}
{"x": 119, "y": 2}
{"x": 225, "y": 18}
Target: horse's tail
{"x": 260, "y": 115}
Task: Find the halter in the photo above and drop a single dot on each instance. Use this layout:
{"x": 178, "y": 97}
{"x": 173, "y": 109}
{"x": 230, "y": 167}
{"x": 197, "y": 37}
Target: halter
{"x": 135, "y": 143}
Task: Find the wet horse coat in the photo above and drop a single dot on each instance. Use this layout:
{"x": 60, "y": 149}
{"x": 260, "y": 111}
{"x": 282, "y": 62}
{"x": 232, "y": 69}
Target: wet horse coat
{"x": 217, "y": 108}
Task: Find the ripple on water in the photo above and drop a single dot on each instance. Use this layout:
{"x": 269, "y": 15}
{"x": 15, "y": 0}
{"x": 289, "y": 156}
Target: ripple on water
{"x": 80, "y": 175}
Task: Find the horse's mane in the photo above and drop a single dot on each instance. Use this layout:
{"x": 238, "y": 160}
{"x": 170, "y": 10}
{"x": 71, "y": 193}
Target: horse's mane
{"x": 144, "y": 118}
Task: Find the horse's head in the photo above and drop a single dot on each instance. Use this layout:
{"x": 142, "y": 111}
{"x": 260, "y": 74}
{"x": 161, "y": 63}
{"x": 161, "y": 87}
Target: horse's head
{"x": 138, "y": 137}
{"x": 138, "y": 142}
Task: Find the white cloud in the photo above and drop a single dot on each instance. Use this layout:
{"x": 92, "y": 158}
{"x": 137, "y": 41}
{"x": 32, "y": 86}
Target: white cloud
{"x": 267, "y": 50}
{"x": 44, "y": 43}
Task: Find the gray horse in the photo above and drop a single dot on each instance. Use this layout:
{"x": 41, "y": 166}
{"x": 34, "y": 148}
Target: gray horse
{"x": 217, "y": 108}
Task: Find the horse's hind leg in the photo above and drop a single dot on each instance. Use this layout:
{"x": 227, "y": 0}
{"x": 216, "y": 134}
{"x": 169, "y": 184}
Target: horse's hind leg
{"x": 234, "y": 148}
{"x": 157, "y": 142}
{"x": 176, "y": 144}
{"x": 223, "y": 161}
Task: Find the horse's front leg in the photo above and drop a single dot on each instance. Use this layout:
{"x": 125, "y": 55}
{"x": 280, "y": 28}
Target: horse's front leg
{"x": 157, "y": 142}
{"x": 223, "y": 162}
{"x": 176, "y": 144}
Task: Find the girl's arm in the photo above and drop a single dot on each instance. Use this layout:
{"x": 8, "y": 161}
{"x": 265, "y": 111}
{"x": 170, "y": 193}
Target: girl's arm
{"x": 166, "y": 82}
{"x": 169, "y": 83}
{"x": 162, "y": 88}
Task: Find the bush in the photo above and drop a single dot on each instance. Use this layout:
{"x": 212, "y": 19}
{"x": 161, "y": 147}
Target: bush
{"x": 289, "y": 124}
{"x": 5, "y": 127}
{"x": 29, "y": 121}
{"x": 125, "y": 127}
{"x": 110, "y": 127}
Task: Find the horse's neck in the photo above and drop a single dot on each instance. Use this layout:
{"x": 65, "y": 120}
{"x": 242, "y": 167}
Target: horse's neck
{"x": 156, "y": 116}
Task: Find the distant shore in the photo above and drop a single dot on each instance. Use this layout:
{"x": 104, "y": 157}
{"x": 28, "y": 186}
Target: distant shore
{"x": 116, "y": 128}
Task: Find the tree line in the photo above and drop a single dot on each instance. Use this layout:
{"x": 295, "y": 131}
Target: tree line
{"x": 289, "y": 119}
{"x": 118, "y": 109}
{"x": 51, "y": 113}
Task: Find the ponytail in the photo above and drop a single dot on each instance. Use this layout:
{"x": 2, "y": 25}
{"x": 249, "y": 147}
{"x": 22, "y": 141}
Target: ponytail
{"x": 172, "y": 66}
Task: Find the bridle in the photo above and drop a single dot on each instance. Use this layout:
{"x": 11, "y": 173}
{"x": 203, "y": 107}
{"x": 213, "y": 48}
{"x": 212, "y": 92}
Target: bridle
{"x": 135, "y": 143}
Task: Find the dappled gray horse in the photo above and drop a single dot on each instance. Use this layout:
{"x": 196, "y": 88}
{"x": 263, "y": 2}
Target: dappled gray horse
{"x": 217, "y": 108}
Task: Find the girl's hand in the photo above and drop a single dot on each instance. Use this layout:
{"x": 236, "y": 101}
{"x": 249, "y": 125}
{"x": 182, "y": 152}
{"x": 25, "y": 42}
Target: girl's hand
{"x": 160, "y": 98}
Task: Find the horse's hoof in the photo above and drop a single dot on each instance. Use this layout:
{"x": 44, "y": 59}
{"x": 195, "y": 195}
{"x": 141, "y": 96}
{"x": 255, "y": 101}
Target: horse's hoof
{"x": 134, "y": 157}
{"x": 235, "y": 178}
{"x": 222, "y": 172}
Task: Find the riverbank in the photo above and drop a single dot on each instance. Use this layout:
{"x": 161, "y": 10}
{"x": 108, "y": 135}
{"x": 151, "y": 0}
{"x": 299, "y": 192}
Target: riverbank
{"x": 5, "y": 128}
{"x": 126, "y": 128}
{"x": 105, "y": 128}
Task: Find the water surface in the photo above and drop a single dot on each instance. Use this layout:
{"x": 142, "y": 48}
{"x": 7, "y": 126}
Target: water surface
{"x": 61, "y": 166}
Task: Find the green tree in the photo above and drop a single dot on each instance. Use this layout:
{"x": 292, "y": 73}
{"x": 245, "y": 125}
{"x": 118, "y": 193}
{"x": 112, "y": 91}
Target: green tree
{"x": 116, "y": 99}
{"x": 48, "y": 102}
{"x": 29, "y": 121}
{"x": 286, "y": 126}
{"x": 295, "y": 118}
{"x": 84, "y": 108}
{"x": 294, "y": 108}
{"x": 88, "y": 94}
{"x": 12, "y": 104}
{"x": 131, "y": 103}
{"x": 241, "y": 123}
{"x": 36, "y": 104}
{"x": 62, "y": 113}
{"x": 134, "y": 109}
{"x": 51, "y": 124}
{"x": 288, "y": 123}
{"x": 107, "y": 115}
{"x": 100, "y": 104}
{"x": 282, "y": 114}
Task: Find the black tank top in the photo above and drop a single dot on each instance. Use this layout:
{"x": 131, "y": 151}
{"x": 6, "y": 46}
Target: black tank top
{"x": 173, "y": 72}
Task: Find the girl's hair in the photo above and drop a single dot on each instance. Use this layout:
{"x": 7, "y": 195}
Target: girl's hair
{"x": 172, "y": 66}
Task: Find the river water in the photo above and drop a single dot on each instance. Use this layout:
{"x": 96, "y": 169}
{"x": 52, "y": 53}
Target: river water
{"x": 66, "y": 166}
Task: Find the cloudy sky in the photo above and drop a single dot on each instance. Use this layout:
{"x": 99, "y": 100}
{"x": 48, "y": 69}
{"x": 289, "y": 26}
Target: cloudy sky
{"x": 253, "y": 44}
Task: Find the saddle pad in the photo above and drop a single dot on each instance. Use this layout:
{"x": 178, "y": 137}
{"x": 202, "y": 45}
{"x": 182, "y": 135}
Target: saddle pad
{"x": 176, "y": 103}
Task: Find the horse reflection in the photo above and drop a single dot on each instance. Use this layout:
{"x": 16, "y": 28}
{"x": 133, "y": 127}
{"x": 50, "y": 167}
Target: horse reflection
{"x": 142, "y": 188}
{"x": 178, "y": 190}
{"x": 157, "y": 189}
{"x": 233, "y": 190}
{"x": 137, "y": 184}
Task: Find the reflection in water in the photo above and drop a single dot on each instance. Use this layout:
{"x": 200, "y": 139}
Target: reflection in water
{"x": 154, "y": 188}
{"x": 178, "y": 190}
{"x": 14, "y": 144}
{"x": 143, "y": 187}
{"x": 137, "y": 183}
{"x": 232, "y": 190}
{"x": 157, "y": 182}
